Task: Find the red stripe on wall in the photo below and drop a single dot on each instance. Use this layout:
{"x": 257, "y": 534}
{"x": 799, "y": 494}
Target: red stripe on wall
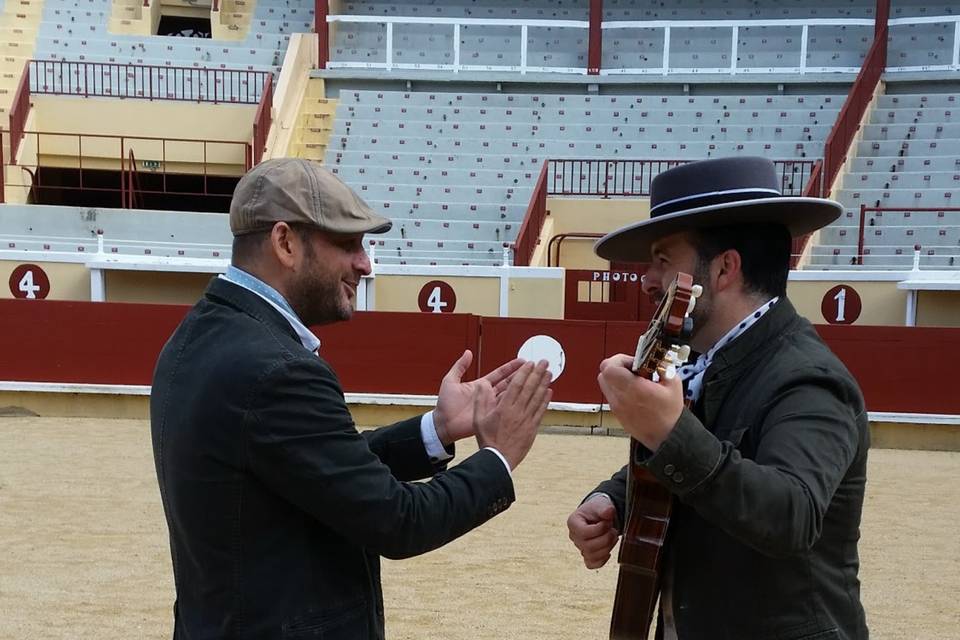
{"x": 581, "y": 340}
{"x": 83, "y": 342}
{"x": 380, "y": 352}
{"x": 901, "y": 369}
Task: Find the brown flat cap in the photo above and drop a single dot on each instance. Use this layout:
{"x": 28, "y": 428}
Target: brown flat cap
{"x": 297, "y": 190}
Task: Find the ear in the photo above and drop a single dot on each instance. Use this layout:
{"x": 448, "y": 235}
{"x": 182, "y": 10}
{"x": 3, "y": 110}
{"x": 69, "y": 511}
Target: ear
{"x": 284, "y": 244}
{"x": 729, "y": 267}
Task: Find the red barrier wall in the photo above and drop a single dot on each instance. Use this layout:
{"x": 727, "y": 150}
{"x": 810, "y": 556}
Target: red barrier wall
{"x": 582, "y": 342}
{"x": 901, "y": 369}
{"x": 87, "y": 342}
{"x": 379, "y": 352}
{"x": 109, "y": 343}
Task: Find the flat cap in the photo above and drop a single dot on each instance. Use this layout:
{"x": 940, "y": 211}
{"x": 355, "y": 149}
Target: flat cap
{"x": 299, "y": 191}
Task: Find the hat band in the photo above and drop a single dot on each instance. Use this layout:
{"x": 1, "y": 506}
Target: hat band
{"x": 710, "y": 198}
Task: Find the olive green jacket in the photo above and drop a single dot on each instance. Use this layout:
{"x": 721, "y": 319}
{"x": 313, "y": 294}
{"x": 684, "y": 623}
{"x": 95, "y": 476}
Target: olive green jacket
{"x": 769, "y": 470}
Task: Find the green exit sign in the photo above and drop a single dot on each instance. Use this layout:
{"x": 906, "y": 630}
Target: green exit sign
{"x": 152, "y": 165}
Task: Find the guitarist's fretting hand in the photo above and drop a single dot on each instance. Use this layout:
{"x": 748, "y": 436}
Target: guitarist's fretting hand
{"x": 647, "y": 410}
{"x": 592, "y": 530}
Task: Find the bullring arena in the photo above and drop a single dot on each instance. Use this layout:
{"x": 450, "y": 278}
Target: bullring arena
{"x": 86, "y": 555}
{"x": 502, "y": 138}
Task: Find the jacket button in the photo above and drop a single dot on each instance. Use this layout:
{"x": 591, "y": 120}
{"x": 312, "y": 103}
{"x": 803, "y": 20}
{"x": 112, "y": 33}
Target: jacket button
{"x": 668, "y": 469}
{"x": 678, "y": 477}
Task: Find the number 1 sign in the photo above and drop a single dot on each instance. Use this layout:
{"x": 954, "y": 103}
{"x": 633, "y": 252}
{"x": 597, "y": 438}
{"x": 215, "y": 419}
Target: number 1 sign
{"x": 841, "y": 305}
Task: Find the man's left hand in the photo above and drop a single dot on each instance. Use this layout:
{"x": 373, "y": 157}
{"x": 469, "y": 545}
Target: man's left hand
{"x": 453, "y": 417}
{"x": 647, "y": 410}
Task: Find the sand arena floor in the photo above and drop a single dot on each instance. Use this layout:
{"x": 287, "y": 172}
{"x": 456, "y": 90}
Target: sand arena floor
{"x": 83, "y": 545}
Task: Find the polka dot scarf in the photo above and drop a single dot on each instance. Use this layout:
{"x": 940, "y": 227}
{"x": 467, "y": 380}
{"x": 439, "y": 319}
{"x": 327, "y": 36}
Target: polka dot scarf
{"x": 692, "y": 374}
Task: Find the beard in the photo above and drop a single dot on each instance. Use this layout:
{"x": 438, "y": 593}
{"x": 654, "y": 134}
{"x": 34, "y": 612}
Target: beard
{"x": 704, "y": 306}
{"x": 317, "y": 294}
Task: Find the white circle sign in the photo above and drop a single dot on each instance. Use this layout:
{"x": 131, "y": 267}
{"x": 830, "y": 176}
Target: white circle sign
{"x": 546, "y": 348}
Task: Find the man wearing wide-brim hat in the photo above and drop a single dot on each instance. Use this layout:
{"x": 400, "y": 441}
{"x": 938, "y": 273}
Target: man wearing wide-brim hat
{"x": 768, "y": 459}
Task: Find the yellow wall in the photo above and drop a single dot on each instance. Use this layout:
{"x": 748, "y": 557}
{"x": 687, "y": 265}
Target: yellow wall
{"x": 157, "y": 118}
{"x": 479, "y": 295}
{"x": 535, "y": 298}
{"x": 883, "y": 303}
{"x": 938, "y": 309}
{"x": 144, "y": 119}
{"x": 589, "y": 215}
{"x": 68, "y": 281}
{"x": 155, "y": 287}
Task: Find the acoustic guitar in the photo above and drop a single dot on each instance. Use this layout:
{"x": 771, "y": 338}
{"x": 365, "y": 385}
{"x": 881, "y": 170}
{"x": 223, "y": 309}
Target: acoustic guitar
{"x": 659, "y": 352}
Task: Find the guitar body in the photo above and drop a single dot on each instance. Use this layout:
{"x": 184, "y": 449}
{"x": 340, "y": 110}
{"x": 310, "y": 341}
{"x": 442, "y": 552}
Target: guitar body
{"x": 649, "y": 503}
{"x": 638, "y": 584}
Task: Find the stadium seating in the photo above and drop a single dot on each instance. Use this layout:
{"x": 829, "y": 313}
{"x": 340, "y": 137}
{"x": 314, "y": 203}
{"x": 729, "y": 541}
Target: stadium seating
{"x": 468, "y": 161}
{"x": 79, "y": 30}
{"x": 907, "y": 159}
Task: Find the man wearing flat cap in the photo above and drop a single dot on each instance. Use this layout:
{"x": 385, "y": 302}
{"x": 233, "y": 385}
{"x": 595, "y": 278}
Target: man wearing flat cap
{"x": 278, "y": 509}
{"x": 767, "y": 462}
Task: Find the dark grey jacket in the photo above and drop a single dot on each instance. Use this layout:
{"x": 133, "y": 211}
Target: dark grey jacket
{"x": 278, "y": 509}
{"x": 769, "y": 471}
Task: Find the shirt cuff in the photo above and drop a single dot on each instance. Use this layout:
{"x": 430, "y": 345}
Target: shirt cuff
{"x": 502, "y": 459}
{"x": 431, "y": 441}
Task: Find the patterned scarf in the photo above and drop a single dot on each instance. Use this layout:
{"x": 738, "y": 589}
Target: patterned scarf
{"x": 692, "y": 374}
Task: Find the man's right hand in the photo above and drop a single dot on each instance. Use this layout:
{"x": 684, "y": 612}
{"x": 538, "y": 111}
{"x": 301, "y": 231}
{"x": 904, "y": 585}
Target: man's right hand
{"x": 508, "y": 421}
{"x": 592, "y": 530}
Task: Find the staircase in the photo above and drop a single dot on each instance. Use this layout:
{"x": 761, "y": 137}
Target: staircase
{"x": 907, "y": 159}
{"x": 232, "y": 19}
{"x": 18, "y": 34}
{"x": 314, "y": 124}
{"x": 127, "y": 16}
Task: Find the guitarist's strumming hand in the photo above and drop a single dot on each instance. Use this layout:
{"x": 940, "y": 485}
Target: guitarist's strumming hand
{"x": 593, "y": 531}
{"x": 647, "y": 410}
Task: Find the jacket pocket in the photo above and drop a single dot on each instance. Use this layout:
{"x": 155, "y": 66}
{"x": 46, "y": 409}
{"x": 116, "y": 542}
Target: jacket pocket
{"x": 347, "y": 621}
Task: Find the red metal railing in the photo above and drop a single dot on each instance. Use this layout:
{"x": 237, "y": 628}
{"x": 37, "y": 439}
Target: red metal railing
{"x": 322, "y": 27}
{"x": 529, "y": 233}
{"x": 595, "y": 46}
{"x": 262, "y": 121}
{"x": 845, "y": 128}
{"x": 130, "y": 184}
{"x": 864, "y": 209}
{"x": 19, "y": 109}
{"x": 848, "y": 122}
{"x": 107, "y": 79}
{"x": 620, "y": 178}
{"x": 632, "y": 178}
{"x": 556, "y": 244}
{"x": 165, "y": 160}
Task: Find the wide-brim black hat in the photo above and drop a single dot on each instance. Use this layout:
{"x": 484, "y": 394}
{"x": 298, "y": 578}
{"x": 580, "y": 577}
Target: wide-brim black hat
{"x": 716, "y": 193}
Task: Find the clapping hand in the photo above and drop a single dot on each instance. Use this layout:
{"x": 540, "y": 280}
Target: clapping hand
{"x": 454, "y": 415}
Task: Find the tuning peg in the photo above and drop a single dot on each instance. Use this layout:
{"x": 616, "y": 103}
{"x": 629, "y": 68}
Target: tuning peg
{"x": 683, "y": 353}
{"x": 696, "y": 291}
{"x": 691, "y": 304}
{"x": 666, "y": 371}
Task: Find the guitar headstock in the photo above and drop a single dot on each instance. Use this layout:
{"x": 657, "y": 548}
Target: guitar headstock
{"x": 663, "y": 347}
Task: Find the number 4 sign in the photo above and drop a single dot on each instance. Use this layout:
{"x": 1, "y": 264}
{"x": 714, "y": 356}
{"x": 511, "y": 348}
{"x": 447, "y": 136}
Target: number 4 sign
{"x": 437, "y": 297}
{"x": 29, "y": 281}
